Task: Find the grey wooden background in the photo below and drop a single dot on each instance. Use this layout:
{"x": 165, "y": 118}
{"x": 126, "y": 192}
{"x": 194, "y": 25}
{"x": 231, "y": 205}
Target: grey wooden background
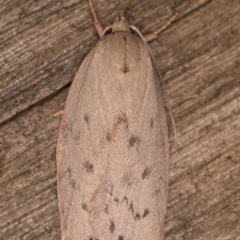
{"x": 42, "y": 45}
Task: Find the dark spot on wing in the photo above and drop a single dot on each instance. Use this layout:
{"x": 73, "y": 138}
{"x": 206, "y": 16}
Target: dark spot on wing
{"x": 134, "y": 140}
{"x": 86, "y": 118}
{"x": 122, "y": 119}
{"x": 84, "y": 206}
{"x": 125, "y": 69}
{"x": 120, "y": 237}
{"x": 146, "y": 173}
{"x": 110, "y": 189}
{"x": 151, "y": 123}
{"x": 112, "y": 227}
{"x": 73, "y": 184}
{"x": 88, "y": 167}
{"x": 131, "y": 208}
{"x": 69, "y": 170}
{"x": 109, "y": 137}
{"x": 116, "y": 200}
{"x": 137, "y": 217}
{"x": 127, "y": 178}
{"x": 228, "y": 158}
{"x": 106, "y": 209}
{"x": 145, "y": 213}
{"x": 77, "y": 138}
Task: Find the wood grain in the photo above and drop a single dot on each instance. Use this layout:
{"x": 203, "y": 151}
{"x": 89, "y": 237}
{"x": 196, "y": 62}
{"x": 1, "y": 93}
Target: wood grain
{"x": 42, "y": 45}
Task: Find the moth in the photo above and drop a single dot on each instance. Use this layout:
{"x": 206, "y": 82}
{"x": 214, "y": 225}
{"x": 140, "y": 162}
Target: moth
{"x": 113, "y": 148}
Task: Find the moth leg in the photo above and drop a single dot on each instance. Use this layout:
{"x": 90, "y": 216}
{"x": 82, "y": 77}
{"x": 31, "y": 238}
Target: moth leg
{"x": 58, "y": 113}
{"x": 97, "y": 24}
{"x": 153, "y": 35}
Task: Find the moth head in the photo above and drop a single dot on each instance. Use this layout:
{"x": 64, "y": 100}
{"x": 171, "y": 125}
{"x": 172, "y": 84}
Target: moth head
{"x": 120, "y": 24}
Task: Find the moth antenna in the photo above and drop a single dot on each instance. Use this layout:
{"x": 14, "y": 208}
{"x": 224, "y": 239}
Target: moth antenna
{"x": 154, "y": 35}
{"x": 97, "y": 24}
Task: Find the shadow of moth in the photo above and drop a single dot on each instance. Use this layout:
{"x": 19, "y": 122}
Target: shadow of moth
{"x": 113, "y": 150}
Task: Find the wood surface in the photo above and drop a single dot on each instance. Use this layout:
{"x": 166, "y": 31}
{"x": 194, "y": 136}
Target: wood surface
{"x": 43, "y": 44}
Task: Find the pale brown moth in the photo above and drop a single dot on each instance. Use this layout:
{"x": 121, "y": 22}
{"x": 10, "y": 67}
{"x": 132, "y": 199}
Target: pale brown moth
{"x": 113, "y": 150}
